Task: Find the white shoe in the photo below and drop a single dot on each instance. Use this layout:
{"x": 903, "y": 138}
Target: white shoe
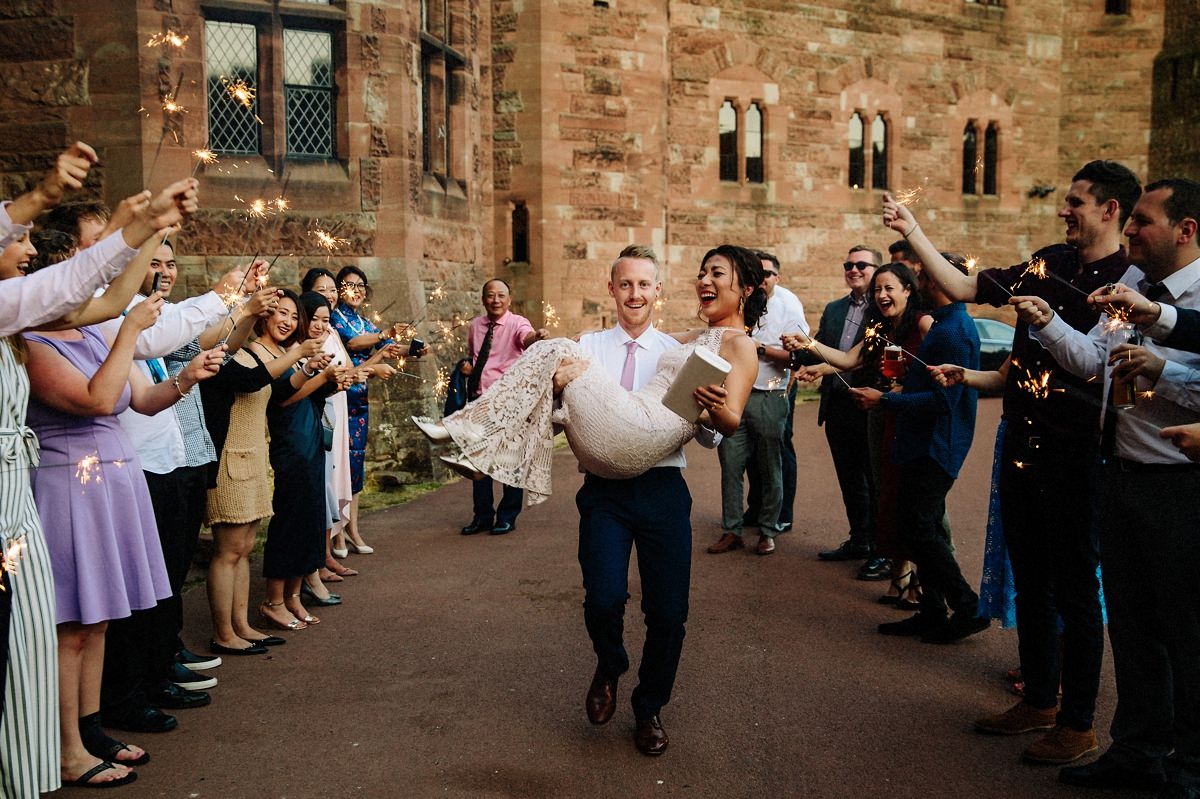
{"x": 340, "y": 553}
{"x": 460, "y": 464}
{"x": 434, "y": 431}
{"x": 357, "y": 549}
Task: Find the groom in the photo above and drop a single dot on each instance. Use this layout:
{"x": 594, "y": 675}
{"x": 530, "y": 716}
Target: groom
{"x": 651, "y": 511}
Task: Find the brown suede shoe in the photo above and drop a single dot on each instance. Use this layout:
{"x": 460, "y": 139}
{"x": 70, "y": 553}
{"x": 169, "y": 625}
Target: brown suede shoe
{"x": 725, "y": 543}
{"x": 650, "y": 737}
{"x": 1062, "y": 745}
{"x": 1018, "y": 719}
{"x": 766, "y": 545}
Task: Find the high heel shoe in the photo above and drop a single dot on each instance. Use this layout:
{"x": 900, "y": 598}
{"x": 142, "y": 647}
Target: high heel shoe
{"x": 899, "y": 585}
{"x": 357, "y": 549}
{"x": 434, "y": 431}
{"x": 340, "y": 553}
{"x": 460, "y": 464}
{"x": 332, "y": 599}
{"x": 308, "y": 617}
{"x": 294, "y": 624}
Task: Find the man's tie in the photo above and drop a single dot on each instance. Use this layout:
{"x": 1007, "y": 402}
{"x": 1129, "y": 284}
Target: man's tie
{"x": 480, "y": 362}
{"x": 157, "y": 373}
{"x": 1155, "y": 291}
{"x": 630, "y": 369}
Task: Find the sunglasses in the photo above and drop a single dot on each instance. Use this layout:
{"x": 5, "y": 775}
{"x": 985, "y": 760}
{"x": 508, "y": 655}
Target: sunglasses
{"x": 860, "y": 266}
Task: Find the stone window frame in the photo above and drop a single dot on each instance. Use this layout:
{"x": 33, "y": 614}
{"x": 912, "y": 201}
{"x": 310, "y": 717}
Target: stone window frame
{"x": 981, "y": 158}
{"x": 733, "y": 151}
{"x": 864, "y": 164}
{"x": 443, "y": 111}
{"x": 1118, "y": 7}
{"x": 270, "y": 20}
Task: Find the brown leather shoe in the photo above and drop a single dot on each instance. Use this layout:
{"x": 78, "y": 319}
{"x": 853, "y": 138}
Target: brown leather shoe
{"x": 651, "y": 738}
{"x": 766, "y": 545}
{"x": 725, "y": 543}
{"x": 601, "y": 698}
{"x": 1062, "y": 745}
{"x": 1018, "y": 719}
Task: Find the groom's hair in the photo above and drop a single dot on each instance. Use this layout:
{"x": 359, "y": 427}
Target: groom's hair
{"x": 642, "y": 252}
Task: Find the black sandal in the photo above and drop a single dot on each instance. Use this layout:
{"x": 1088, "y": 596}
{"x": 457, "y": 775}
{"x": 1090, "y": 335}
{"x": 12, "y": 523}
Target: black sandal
{"x": 100, "y": 744}
{"x": 84, "y": 781}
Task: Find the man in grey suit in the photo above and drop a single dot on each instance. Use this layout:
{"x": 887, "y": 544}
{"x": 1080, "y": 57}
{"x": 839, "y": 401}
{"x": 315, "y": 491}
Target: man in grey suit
{"x": 845, "y": 423}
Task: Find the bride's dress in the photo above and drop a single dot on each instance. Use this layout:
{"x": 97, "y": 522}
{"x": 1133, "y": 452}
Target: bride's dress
{"x": 508, "y": 433}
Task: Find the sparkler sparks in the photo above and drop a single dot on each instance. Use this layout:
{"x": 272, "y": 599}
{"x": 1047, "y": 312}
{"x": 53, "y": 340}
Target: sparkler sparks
{"x": 1117, "y": 319}
{"x": 549, "y": 314}
{"x": 438, "y": 293}
{"x": 168, "y": 38}
{"x": 328, "y": 240}
{"x": 205, "y": 156}
{"x": 1147, "y": 394}
{"x": 1036, "y": 268}
{"x": 442, "y": 384}
{"x": 172, "y": 106}
{"x": 1038, "y": 386}
{"x": 231, "y": 297}
{"x": 281, "y": 204}
{"x": 87, "y": 470}
{"x": 240, "y": 91}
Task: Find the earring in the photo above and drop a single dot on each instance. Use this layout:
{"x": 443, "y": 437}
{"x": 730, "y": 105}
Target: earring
{"x": 741, "y": 303}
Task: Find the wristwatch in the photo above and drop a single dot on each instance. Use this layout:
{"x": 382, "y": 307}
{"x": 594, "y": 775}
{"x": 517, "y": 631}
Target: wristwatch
{"x": 762, "y": 351}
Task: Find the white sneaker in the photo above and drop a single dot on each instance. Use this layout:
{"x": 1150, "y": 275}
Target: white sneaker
{"x": 432, "y": 430}
{"x": 460, "y": 464}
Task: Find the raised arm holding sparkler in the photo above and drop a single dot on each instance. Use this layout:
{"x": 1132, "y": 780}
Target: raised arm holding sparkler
{"x": 68, "y": 174}
{"x": 959, "y": 287}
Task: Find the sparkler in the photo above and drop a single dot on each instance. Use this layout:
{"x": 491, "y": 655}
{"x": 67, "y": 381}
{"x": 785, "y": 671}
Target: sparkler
{"x": 242, "y": 93}
{"x": 203, "y": 156}
{"x": 87, "y": 469}
{"x": 168, "y": 38}
{"x": 1038, "y": 386}
{"x": 549, "y": 314}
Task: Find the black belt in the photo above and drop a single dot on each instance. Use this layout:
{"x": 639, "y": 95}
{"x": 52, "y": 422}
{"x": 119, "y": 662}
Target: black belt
{"x": 1126, "y": 465}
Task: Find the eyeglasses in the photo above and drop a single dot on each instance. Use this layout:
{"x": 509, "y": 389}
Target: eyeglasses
{"x": 859, "y": 265}
{"x": 769, "y": 273}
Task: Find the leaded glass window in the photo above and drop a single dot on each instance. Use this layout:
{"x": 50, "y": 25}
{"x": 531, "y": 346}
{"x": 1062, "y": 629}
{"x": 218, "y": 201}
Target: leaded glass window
{"x": 231, "y": 59}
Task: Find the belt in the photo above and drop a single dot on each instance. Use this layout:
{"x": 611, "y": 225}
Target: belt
{"x": 26, "y": 438}
{"x": 1126, "y": 465}
{"x": 767, "y": 390}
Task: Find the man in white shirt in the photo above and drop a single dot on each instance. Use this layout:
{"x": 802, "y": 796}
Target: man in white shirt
{"x": 1148, "y": 510}
{"x": 651, "y": 511}
{"x": 759, "y": 437}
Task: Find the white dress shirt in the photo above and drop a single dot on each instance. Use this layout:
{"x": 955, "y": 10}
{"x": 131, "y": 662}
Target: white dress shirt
{"x": 785, "y": 314}
{"x": 1176, "y": 396}
{"x": 10, "y": 231}
{"x": 607, "y": 349}
{"x": 178, "y": 323}
{"x": 157, "y": 439}
{"x": 49, "y": 293}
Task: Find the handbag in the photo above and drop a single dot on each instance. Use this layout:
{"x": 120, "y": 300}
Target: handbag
{"x": 326, "y": 432}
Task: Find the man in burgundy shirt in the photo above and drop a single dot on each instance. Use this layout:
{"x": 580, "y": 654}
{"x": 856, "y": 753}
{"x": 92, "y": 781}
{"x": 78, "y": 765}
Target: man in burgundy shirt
{"x": 494, "y": 341}
{"x": 1049, "y": 474}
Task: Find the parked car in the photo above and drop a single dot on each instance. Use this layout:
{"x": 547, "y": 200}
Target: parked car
{"x": 995, "y": 342}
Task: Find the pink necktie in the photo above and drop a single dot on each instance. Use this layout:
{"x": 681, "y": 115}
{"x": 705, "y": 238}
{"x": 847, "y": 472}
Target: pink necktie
{"x": 630, "y": 367}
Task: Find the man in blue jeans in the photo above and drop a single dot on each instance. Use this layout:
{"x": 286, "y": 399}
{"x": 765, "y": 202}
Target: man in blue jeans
{"x": 651, "y": 511}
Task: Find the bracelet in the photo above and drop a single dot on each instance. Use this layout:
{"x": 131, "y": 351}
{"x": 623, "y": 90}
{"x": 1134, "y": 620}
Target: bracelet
{"x": 912, "y": 230}
{"x": 175, "y": 382}
{"x": 304, "y": 368}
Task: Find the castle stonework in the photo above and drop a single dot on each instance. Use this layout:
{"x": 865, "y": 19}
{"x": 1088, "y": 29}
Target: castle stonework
{"x": 533, "y": 139}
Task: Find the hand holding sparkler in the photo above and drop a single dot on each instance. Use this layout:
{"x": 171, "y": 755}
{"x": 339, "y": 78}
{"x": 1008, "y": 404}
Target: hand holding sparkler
{"x": 897, "y": 216}
{"x": 793, "y": 342}
{"x": 262, "y": 303}
{"x": 143, "y": 315}
{"x": 384, "y": 371}
{"x": 1034, "y": 311}
{"x": 125, "y": 213}
{"x": 202, "y": 367}
{"x": 230, "y": 286}
{"x": 69, "y": 172}
{"x": 1139, "y": 310}
{"x": 168, "y": 208}
{"x": 1130, "y": 360}
{"x": 948, "y": 374}
{"x": 310, "y": 348}
{"x": 867, "y": 398}
{"x": 811, "y": 374}
{"x": 1185, "y": 438}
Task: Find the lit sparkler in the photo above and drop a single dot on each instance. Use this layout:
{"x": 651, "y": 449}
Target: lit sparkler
{"x": 1147, "y": 394}
{"x": 171, "y": 105}
{"x": 1038, "y": 386}
{"x": 168, "y": 38}
{"x": 87, "y": 470}
{"x": 442, "y": 384}
{"x": 328, "y": 240}
{"x": 1035, "y": 268}
{"x": 549, "y": 314}
{"x": 438, "y": 293}
{"x": 240, "y": 91}
{"x": 1117, "y": 318}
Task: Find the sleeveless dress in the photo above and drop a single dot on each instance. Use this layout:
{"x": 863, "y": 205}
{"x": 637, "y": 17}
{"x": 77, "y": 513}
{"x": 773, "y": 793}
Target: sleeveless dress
{"x": 243, "y": 492}
{"x": 94, "y": 504}
{"x": 508, "y": 433}
{"x": 29, "y": 743}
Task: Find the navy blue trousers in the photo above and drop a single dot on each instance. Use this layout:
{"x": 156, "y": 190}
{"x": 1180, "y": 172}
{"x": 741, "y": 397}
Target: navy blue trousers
{"x": 482, "y": 499}
{"x": 653, "y": 512}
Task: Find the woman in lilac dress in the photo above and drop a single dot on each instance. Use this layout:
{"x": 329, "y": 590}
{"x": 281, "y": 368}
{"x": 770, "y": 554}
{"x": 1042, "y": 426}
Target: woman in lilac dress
{"x": 95, "y": 508}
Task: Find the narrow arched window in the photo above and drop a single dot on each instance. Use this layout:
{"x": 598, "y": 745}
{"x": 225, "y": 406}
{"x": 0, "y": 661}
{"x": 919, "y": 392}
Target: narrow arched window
{"x": 991, "y": 138}
{"x": 970, "y": 165}
{"x": 520, "y": 233}
{"x": 858, "y": 157}
{"x": 879, "y": 153}
{"x": 754, "y": 144}
{"x": 727, "y": 130}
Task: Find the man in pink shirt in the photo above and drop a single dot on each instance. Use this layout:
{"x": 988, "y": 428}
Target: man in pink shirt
{"x": 494, "y": 341}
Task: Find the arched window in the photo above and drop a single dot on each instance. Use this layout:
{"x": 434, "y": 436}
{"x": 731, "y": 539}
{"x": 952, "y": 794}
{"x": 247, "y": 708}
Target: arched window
{"x": 727, "y": 129}
{"x": 879, "y": 154}
{"x": 970, "y": 166}
{"x": 520, "y": 233}
{"x": 858, "y": 158}
{"x": 990, "y": 154}
{"x": 754, "y": 144}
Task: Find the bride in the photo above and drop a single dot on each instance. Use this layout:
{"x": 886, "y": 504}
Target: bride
{"x": 508, "y": 433}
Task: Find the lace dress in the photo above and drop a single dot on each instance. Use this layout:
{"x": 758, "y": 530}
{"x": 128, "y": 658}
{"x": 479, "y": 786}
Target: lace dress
{"x": 508, "y": 433}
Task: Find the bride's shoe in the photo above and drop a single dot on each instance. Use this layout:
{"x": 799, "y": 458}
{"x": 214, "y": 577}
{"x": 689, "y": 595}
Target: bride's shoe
{"x": 434, "y": 431}
{"x": 460, "y": 464}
